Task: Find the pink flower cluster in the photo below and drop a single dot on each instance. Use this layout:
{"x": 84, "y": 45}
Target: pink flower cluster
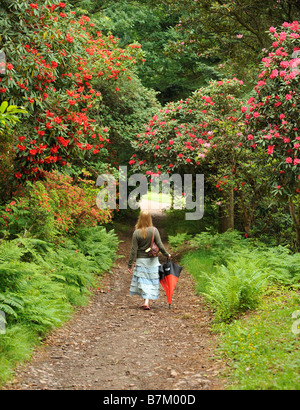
{"x": 273, "y": 115}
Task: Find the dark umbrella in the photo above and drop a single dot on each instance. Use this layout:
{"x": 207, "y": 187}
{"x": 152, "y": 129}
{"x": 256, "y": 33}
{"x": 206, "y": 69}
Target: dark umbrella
{"x": 169, "y": 274}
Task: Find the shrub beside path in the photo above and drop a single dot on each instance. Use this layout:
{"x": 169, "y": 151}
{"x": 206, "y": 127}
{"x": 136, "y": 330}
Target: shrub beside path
{"x": 112, "y": 344}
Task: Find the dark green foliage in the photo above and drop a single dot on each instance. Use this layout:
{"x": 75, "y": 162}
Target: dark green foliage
{"x": 174, "y": 73}
{"x": 233, "y": 31}
{"x": 124, "y": 112}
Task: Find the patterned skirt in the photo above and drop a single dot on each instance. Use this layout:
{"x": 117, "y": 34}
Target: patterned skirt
{"x": 145, "y": 280}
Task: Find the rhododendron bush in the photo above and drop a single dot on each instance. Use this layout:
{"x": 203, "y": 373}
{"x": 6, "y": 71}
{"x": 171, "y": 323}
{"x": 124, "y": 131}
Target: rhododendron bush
{"x": 54, "y": 206}
{"x": 186, "y": 135}
{"x": 202, "y": 134}
{"x": 54, "y": 62}
{"x": 273, "y": 117}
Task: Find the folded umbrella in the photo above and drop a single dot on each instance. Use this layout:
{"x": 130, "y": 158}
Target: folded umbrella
{"x": 169, "y": 274}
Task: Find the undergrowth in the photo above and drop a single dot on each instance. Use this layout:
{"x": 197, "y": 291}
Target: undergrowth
{"x": 234, "y": 273}
{"x": 253, "y": 290}
{"x": 41, "y": 282}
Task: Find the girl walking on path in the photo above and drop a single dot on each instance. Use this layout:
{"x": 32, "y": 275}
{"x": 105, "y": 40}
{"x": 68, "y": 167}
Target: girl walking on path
{"x": 145, "y": 280}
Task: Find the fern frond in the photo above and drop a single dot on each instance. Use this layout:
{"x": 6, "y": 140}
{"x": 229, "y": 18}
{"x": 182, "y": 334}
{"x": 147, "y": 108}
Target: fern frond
{"x": 11, "y": 304}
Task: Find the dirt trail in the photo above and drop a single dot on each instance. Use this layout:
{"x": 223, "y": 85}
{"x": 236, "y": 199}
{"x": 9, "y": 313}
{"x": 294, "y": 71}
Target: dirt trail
{"x": 112, "y": 344}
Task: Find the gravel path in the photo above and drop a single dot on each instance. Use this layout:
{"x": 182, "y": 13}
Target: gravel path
{"x": 112, "y": 344}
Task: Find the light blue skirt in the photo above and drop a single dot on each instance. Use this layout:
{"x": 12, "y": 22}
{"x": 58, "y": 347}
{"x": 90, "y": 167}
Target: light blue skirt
{"x": 145, "y": 280}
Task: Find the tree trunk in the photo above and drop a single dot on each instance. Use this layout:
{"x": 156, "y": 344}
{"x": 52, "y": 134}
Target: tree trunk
{"x": 226, "y": 212}
{"x": 296, "y": 221}
{"x": 247, "y": 215}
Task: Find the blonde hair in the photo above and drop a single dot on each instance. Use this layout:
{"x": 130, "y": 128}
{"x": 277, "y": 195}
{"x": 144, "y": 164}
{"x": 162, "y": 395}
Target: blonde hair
{"x": 144, "y": 222}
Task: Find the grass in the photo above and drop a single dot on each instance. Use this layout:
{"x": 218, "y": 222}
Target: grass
{"x": 196, "y": 263}
{"x": 262, "y": 351}
{"x": 16, "y": 346}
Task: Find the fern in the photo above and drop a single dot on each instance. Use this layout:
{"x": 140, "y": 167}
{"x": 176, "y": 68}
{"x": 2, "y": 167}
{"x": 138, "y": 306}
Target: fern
{"x": 179, "y": 239}
{"x": 235, "y": 288}
{"x": 220, "y": 242}
{"x": 34, "y": 248}
{"x": 11, "y": 304}
{"x": 9, "y": 251}
{"x": 40, "y": 283}
{"x": 282, "y": 266}
{"x": 98, "y": 245}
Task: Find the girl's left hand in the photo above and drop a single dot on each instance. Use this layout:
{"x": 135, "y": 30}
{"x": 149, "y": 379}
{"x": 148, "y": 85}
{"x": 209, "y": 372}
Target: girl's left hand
{"x": 130, "y": 270}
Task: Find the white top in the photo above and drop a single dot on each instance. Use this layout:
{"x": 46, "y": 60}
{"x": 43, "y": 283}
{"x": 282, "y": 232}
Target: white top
{"x": 148, "y": 262}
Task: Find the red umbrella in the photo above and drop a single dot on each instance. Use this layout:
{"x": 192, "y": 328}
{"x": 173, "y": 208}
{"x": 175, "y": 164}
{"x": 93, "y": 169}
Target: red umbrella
{"x": 169, "y": 274}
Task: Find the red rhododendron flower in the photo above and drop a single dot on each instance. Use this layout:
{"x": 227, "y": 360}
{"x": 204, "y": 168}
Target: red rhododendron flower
{"x": 60, "y": 128}
{"x": 69, "y": 38}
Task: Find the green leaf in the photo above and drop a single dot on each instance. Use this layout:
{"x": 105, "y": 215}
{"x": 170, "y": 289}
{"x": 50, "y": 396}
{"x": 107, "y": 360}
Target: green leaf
{"x": 3, "y": 106}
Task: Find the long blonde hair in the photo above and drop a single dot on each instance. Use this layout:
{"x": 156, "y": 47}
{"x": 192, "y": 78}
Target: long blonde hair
{"x": 144, "y": 222}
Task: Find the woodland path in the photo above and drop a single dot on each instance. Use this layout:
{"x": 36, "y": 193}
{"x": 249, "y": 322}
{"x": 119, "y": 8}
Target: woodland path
{"x": 112, "y": 344}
